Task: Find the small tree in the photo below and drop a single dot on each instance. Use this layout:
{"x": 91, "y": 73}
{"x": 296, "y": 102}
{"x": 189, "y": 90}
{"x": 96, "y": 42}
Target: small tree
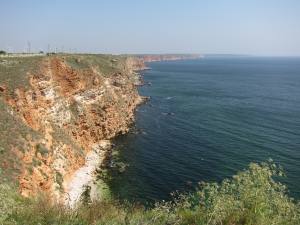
{"x": 2, "y": 52}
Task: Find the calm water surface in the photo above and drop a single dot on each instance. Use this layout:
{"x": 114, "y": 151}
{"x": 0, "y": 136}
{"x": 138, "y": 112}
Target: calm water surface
{"x": 209, "y": 118}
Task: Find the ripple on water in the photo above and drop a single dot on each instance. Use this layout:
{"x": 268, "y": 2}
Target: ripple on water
{"x": 209, "y": 118}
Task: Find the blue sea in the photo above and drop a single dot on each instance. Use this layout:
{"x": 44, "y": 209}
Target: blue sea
{"x": 206, "y": 120}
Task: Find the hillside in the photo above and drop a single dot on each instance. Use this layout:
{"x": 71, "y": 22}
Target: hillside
{"x": 56, "y": 111}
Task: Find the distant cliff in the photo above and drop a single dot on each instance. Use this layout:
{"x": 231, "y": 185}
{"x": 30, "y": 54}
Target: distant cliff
{"x": 167, "y": 57}
{"x": 140, "y": 60}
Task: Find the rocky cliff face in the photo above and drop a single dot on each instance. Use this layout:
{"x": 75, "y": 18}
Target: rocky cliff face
{"x": 58, "y": 115}
{"x": 167, "y": 57}
{"x": 69, "y": 107}
{"x": 141, "y": 60}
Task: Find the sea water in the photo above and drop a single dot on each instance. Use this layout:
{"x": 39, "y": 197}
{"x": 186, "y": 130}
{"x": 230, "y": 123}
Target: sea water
{"x": 206, "y": 120}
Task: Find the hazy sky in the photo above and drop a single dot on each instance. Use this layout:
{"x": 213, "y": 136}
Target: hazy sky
{"x": 263, "y": 27}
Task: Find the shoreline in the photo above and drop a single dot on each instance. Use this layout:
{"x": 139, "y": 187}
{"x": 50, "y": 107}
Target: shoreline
{"x": 66, "y": 106}
{"x": 85, "y": 175}
{"x": 84, "y": 178}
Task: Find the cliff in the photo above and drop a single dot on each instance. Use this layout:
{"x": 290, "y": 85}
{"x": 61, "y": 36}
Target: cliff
{"x": 58, "y": 115}
{"x": 167, "y": 57}
{"x": 141, "y": 60}
{"x": 56, "y": 112}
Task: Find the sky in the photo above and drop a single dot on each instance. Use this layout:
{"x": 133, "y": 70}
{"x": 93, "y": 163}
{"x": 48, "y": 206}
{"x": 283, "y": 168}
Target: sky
{"x": 255, "y": 27}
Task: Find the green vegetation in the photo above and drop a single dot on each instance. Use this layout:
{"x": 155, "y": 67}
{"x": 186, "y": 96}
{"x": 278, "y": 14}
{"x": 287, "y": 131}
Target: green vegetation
{"x": 36, "y": 163}
{"x": 106, "y": 65}
{"x": 14, "y": 135}
{"x": 2, "y": 52}
{"x": 14, "y": 71}
{"x": 40, "y": 148}
{"x": 59, "y": 179}
{"x": 252, "y": 197}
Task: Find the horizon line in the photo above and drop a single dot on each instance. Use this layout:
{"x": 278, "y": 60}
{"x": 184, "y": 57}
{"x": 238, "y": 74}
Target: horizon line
{"x": 165, "y": 53}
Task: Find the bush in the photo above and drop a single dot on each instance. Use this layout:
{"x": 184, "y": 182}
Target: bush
{"x": 10, "y": 201}
{"x": 2, "y": 52}
{"x": 251, "y": 197}
{"x": 42, "y": 149}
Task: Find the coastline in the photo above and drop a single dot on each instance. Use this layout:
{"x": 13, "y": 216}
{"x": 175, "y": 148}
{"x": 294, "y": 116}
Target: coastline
{"x": 85, "y": 175}
{"x": 85, "y": 178}
{"x": 70, "y": 107}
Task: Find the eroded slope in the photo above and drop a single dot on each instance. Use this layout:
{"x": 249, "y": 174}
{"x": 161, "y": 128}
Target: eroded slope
{"x": 63, "y": 108}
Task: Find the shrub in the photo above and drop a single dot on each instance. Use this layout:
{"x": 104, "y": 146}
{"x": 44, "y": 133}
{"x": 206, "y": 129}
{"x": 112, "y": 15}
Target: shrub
{"x": 42, "y": 149}
{"x": 59, "y": 178}
{"x": 2, "y": 52}
{"x": 252, "y": 197}
{"x": 10, "y": 201}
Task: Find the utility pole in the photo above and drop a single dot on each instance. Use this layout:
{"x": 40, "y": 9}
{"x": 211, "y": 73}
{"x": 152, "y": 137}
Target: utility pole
{"x": 48, "y": 48}
{"x": 9, "y": 49}
{"x": 29, "y": 46}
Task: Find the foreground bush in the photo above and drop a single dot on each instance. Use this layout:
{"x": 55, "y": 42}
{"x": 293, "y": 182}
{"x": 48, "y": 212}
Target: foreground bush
{"x": 251, "y": 197}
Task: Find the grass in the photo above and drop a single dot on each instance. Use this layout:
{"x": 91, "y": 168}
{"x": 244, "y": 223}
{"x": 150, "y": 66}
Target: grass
{"x": 14, "y": 134}
{"x": 252, "y": 197}
{"x": 14, "y": 71}
{"x": 106, "y": 65}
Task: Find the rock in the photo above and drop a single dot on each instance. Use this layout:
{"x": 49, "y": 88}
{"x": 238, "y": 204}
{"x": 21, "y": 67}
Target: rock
{"x": 96, "y": 81}
{"x": 2, "y": 88}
